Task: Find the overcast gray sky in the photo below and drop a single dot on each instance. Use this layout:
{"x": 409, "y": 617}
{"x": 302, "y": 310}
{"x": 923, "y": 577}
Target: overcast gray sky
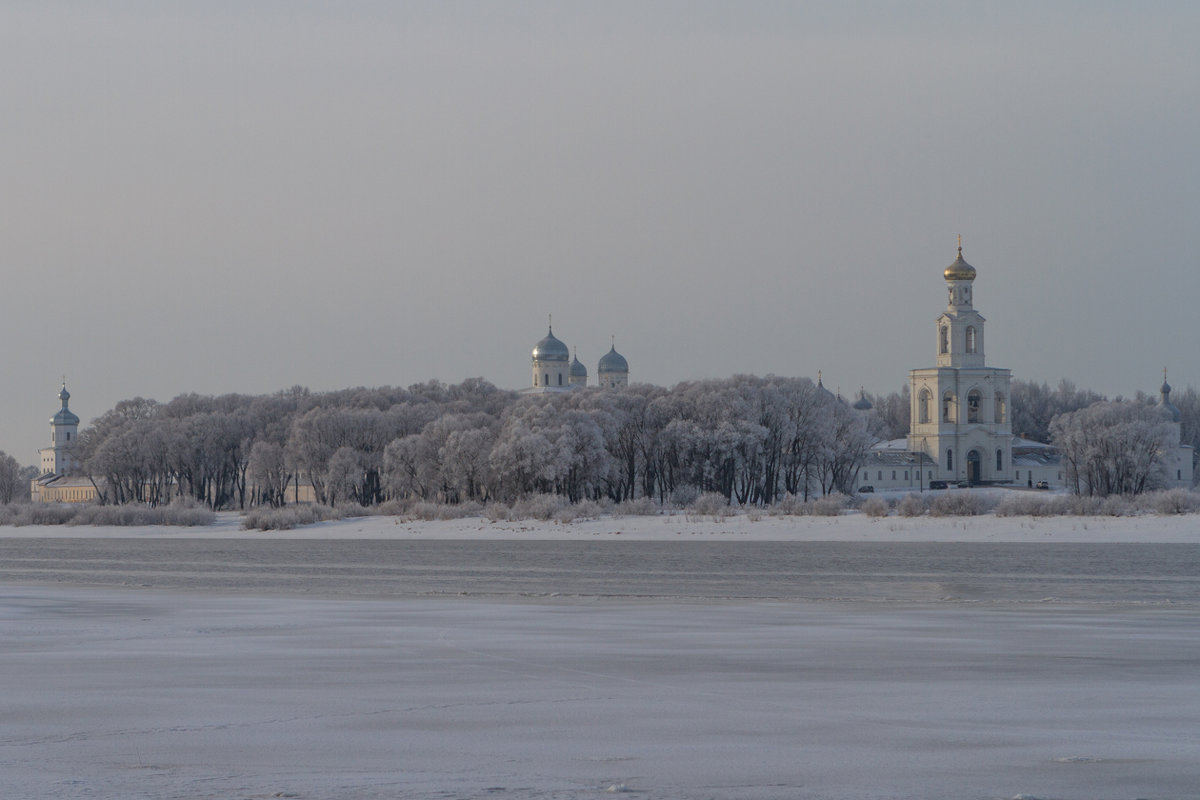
{"x": 239, "y": 197}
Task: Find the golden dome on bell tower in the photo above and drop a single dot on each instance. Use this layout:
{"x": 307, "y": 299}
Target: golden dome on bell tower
{"x": 960, "y": 270}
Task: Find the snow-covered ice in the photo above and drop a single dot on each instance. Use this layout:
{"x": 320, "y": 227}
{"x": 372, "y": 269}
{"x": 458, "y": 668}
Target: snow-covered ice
{"x": 146, "y": 692}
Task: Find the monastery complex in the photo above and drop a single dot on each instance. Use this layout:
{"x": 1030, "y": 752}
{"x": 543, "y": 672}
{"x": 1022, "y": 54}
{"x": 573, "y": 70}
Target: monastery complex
{"x": 960, "y": 423}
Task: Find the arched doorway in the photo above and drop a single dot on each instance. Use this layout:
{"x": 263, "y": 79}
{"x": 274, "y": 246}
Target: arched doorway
{"x": 974, "y": 472}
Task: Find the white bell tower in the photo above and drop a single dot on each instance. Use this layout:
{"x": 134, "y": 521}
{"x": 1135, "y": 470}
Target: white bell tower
{"x": 960, "y": 414}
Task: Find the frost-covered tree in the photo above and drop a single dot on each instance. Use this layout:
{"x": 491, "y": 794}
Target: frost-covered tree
{"x": 1112, "y": 448}
{"x": 345, "y": 477}
{"x": 14, "y": 483}
{"x": 268, "y": 471}
{"x": 1035, "y": 404}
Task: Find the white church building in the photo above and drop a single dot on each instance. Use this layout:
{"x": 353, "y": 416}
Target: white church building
{"x": 555, "y": 369}
{"x": 960, "y": 420}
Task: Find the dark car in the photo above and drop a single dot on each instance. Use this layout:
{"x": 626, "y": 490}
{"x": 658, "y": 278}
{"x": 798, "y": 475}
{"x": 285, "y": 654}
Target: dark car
{"x": 866, "y": 489}
{"x": 938, "y": 485}
{"x": 1043, "y": 484}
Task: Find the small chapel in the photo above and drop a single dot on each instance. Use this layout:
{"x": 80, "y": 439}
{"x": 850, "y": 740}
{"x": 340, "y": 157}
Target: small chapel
{"x": 60, "y": 481}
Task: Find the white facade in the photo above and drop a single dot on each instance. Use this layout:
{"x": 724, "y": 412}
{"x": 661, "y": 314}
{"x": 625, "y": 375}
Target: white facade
{"x": 960, "y": 417}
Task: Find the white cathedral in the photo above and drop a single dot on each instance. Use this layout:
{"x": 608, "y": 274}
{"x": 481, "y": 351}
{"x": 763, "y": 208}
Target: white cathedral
{"x": 556, "y": 370}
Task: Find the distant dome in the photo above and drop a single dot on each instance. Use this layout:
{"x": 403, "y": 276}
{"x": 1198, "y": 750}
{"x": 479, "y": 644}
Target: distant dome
{"x": 960, "y": 270}
{"x": 821, "y": 390}
{"x": 64, "y": 416}
{"x": 578, "y": 370}
{"x": 551, "y": 349}
{"x": 862, "y": 403}
{"x": 1165, "y": 402}
{"x": 612, "y": 361}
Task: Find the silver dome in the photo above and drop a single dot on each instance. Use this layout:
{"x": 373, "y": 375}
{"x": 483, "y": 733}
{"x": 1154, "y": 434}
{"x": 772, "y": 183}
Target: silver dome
{"x": 578, "y": 370}
{"x": 64, "y": 416}
{"x": 1165, "y": 402}
{"x": 551, "y": 349}
{"x": 612, "y": 361}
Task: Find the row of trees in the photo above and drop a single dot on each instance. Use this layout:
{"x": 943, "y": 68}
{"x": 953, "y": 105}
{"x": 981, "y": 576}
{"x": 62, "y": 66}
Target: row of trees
{"x": 750, "y": 439}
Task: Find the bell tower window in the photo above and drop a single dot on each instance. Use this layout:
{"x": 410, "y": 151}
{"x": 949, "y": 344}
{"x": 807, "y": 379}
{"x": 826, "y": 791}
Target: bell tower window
{"x": 923, "y": 406}
{"x": 974, "y": 399}
{"x": 944, "y": 340}
{"x": 970, "y": 338}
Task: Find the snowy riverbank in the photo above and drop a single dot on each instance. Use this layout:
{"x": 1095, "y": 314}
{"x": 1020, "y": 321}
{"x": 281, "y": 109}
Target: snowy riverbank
{"x": 849, "y": 527}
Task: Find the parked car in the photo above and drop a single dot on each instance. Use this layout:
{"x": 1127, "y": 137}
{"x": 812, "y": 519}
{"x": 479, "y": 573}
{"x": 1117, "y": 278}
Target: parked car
{"x": 866, "y": 489}
{"x": 1043, "y": 484}
{"x": 938, "y": 485}
{"x": 964, "y": 484}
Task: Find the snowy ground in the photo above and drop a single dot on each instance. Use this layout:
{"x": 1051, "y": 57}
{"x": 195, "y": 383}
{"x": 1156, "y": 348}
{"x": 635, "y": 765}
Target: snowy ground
{"x": 849, "y": 527}
{"x": 153, "y": 693}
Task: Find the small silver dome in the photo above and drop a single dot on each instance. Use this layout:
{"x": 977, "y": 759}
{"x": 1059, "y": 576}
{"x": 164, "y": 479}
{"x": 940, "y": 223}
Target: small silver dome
{"x": 862, "y": 403}
{"x": 551, "y": 349}
{"x": 612, "y": 361}
{"x": 64, "y": 416}
{"x": 578, "y": 370}
{"x": 1165, "y": 401}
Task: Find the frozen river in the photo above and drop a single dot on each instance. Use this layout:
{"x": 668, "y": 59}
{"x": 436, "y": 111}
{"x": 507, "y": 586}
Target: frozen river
{"x": 226, "y": 669}
{"x": 1121, "y": 573}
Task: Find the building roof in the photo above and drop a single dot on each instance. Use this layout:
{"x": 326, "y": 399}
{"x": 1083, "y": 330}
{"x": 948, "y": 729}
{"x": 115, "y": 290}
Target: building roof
{"x": 64, "y": 415}
{"x": 960, "y": 270}
{"x": 551, "y": 348}
{"x": 612, "y": 361}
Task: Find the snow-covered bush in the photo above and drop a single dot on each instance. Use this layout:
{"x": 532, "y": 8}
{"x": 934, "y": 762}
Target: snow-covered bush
{"x": 911, "y": 505}
{"x": 831, "y": 505}
{"x": 288, "y": 517}
{"x": 435, "y": 511}
{"x": 1112, "y": 506}
{"x": 790, "y": 505}
{"x": 957, "y": 504}
{"x": 710, "y": 504}
{"x": 641, "y": 507}
{"x": 538, "y": 506}
{"x": 1169, "y": 501}
{"x": 875, "y": 507}
{"x": 184, "y": 515}
{"x": 497, "y": 512}
{"x": 39, "y": 514}
{"x": 584, "y": 509}
{"x": 1023, "y": 504}
{"x": 684, "y": 496}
